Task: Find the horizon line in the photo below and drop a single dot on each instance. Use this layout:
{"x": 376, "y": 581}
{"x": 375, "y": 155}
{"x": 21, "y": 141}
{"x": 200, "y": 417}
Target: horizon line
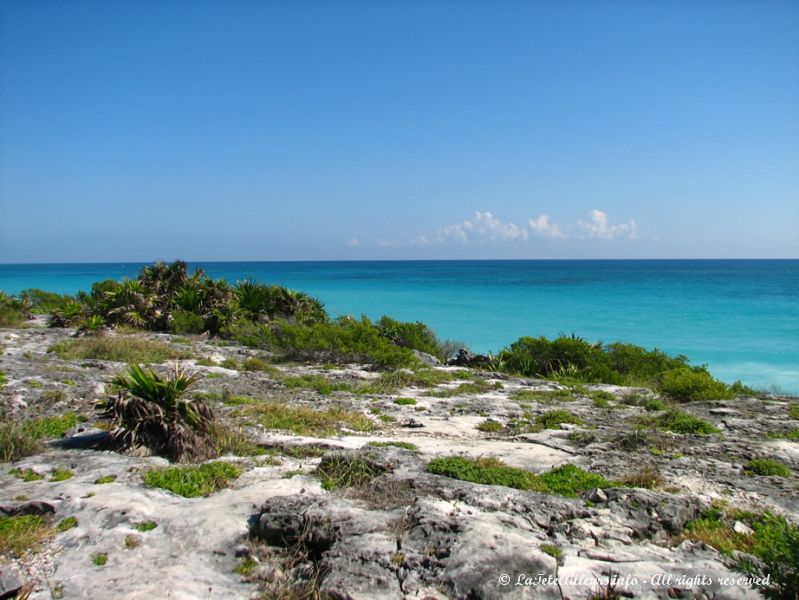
{"x": 397, "y": 260}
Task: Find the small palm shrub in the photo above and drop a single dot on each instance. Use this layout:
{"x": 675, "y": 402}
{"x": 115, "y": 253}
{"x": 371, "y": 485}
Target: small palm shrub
{"x": 150, "y": 413}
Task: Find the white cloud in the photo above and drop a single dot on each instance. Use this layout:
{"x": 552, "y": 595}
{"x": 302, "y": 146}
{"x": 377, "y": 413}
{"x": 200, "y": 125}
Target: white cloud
{"x": 543, "y": 226}
{"x": 483, "y": 227}
{"x": 353, "y": 242}
{"x": 598, "y": 226}
{"x": 386, "y": 243}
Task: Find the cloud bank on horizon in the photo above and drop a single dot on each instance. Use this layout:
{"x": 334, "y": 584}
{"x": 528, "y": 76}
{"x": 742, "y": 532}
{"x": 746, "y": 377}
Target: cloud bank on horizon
{"x": 486, "y": 228}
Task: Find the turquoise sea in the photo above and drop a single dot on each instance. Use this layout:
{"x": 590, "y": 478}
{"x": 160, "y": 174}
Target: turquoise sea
{"x": 740, "y": 317}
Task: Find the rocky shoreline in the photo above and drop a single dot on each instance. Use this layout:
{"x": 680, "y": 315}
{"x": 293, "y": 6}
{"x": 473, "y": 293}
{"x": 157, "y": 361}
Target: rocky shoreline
{"x": 279, "y": 529}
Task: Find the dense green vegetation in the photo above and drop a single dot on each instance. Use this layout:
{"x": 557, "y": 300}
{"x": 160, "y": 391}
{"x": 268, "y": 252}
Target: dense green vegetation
{"x": 566, "y": 480}
{"x": 22, "y": 534}
{"x": 342, "y": 471}
{"x": 167, "y": 297}
{"x": 151, "y": 412}
{"x": 774, "y": 541}
{"x": 193, "y": 481}
{"x": 572, "y": 358}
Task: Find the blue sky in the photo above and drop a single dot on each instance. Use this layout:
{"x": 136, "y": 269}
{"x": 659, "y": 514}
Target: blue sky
{"x": 379, "y": 130}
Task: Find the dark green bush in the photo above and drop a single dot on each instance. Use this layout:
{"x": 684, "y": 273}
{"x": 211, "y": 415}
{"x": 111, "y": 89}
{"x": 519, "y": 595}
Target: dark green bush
{"x": 341, "y": 341}
{"x": 417, "y": 336}
{"x": 184, "y": 321}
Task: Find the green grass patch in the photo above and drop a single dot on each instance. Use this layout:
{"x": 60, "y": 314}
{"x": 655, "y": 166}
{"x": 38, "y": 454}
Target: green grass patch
{"x": 767, "y": 467}
{"x": 99, "y": 559}
{"x": 405, "y": 401}
{"x": 464, "y": 389}
{"x": 302, "y": 451}
{"x": 193, "y": 481}
{"x": 61, "y": 475}
{"x": 51, "y": 427}
{"x": 22, "y": 534}
{"x": 792, "y": 435}
{"x": 132, "y": 541}
{"x": 117, "y": 349}
{"x": 66, "y": 524}
{"x": 25, "y": 474}
{"x": 403, "y": 445}
{"x": 543, "y": 397}
{"x": 569, "y": 480}
{"x": 146, "y": 526}
{"x": 553, "y": 550}
{"x": 490, "y": 426}
{"x": 552, "y": 419}
{"x": 306, "y": 421}
{"x": 3, "y": 378}
{"x": 793, "y": 410}
{"x": 677, "y": 421}
{"x": 485, "y": 470}
{"x": 16, "y": 442}
{"x": 338, "y": 471}
{"x": 318, "y": 383}
{"x": 260, "y": 365}
{"x": 566, "y": 480}
{"x": 390, "y": 382}
{"x": 247, "y": 566}
{"x": 228, "y": 439}
{"x": 104, "y": 479}
{"x": 688, "y": 385}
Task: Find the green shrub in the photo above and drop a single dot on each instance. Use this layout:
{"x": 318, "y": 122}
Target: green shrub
{"x": 61, "y": 475}
{"x": 553, "y": 550}
{"x": 184, "y": 321}
{"x": 775, "y": 542}
{"x": 319, "y": 383}
{"x": 3, "y": 378}
{"x": 405, "y": 401}
{"x": 26, "y": 474}
{"x": 117, "y": 349}
{"x": 417, "y": 336}
{"x": 99, "y": 559}
{"x": 551, "y": 419}
{"x": 105, "y": 479}
{"x": 689, "y": 385}
{"x": 342, "y": 471}
{"x": 345, "y": 340}
{"x": 42, "y": 301}
{"x": 193, "y": 481}
{"x": 257, "y": 364}
{"x": 488, "y": 471}
{"x": 570, "y": 481}
{"x": 767, "y": 467}
{"x": 490, "y": 426}
{"x": 680, "y": 422}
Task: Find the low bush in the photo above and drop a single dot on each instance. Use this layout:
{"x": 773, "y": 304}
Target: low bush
{"x": 774, "y": 542}
{"x": 417, "y": 336}
{"x": 488, "y": 471}
{"x": 688, "y": 385}
{"x": 679, "y": 422}
{"x": 566, "y": 480}
{"x": 186, "y": 322}
{"x": 319, "y": 383}
{"x": 767, "y": 467}
{"x": 345, "y": 340}
{"x": 343, "y": 471}
{"x": 193, "y": 481}
{"x": 552, "y": 419}
{"x": 570, "y": 481}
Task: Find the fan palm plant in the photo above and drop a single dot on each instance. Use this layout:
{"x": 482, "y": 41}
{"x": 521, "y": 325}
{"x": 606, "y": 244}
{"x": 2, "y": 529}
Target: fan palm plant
{"x": 150, "y": 413}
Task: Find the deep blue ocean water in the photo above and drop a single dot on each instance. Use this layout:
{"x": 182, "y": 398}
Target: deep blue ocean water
{"x": 740, "y": 317}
